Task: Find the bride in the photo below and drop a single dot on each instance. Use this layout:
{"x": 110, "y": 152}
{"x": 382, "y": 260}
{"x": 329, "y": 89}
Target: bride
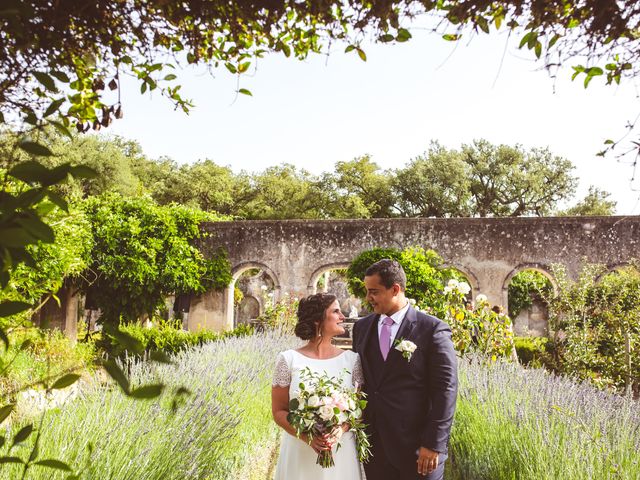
{"x": 319, "y": 320}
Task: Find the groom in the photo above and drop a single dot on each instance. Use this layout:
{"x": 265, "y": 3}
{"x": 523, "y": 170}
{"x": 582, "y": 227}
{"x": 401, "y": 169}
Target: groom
{"x": 410, "y": 402}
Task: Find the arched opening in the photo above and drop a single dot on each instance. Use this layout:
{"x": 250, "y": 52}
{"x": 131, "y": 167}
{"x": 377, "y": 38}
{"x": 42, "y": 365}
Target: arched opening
{"x": 333, "y": 279}
{"x": 254, "y": 287}
{"x": 528, "y": 289}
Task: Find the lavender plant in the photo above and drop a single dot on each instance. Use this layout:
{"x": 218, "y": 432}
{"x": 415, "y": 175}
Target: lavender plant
{"x": 211, "y": 434}
{"x": 521, "y": 423}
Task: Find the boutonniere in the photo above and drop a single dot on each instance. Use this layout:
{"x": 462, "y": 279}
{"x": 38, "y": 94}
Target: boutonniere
{"x": 406, "y": 347}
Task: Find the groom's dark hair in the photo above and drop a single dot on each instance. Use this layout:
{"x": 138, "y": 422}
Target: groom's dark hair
{"x": 390, "y": 272}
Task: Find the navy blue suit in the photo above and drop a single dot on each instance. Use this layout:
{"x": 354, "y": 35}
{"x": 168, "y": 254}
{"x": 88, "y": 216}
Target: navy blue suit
{"x": 410, "y": 403}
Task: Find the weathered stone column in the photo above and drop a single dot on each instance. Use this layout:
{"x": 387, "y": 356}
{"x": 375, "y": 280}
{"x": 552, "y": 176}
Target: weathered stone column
{"x": 211, "y": 311}
{"x": 491, "y": 276}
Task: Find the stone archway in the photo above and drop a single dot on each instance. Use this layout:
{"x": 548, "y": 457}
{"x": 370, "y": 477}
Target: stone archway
{"x": 534, "y": 319}
{"x": 350, "y": 305}
{"x": 236, "y": 272}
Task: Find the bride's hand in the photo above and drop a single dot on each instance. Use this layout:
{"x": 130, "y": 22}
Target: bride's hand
{"x": 318, "y": 443}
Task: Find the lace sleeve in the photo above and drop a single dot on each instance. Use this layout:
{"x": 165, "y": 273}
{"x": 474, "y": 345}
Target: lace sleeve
{"x": 282, "y": 374}
{"x": 357, "y": 377}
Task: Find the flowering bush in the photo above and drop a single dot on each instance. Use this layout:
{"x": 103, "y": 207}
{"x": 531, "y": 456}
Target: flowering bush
{"x": 476, "y": 327}
{"x": 280, "y": 313}
{"x": 321, "y": 407}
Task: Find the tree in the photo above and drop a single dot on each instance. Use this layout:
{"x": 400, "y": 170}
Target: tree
{"x": 88, "y": 49}
{"x": 426, "y": 275}
{"x": 205, "y": 185}
{"x": 282, "y": 192}
{"x": 434, "y": 185}
{"x": 507, "y": 181}
{"x": 596, "y": 202}
{"x": 143, "y": 252}
{"x": 362, "y": 178}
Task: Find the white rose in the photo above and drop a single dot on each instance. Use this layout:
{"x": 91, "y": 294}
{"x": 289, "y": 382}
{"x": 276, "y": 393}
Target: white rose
{"x": 327, "y": 401}
{"x": 326, "y": 412}
{"x": 313, "y": 401}
{"x": 352, "y": 404}
{"x": 481, "y": 298}
{"x": 464, "y": 288}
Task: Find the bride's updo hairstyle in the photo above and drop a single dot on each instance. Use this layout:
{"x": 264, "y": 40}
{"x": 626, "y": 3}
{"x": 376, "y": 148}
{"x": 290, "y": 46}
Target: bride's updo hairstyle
{"x": 311, "y": 314}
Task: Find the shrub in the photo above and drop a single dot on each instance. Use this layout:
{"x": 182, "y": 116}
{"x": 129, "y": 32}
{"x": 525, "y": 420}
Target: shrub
{"x": 533, "y": 351}
{"x": 595, "y": 322}
{"x": 426, "y": 275}
{"x": 36, "y": 354}
{"x": 167, "y": 336}
{"x": 525, "y": 286}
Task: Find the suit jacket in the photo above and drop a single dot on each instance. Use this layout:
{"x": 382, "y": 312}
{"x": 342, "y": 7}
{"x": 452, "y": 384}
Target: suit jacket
{"x": 410, "y": 403}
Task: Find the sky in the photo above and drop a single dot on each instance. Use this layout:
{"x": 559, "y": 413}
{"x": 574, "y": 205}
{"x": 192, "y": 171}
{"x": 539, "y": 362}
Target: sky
{"x": 332, "y": 108}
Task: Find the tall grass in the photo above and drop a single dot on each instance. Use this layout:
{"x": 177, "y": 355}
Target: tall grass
{"x": 518, "y": 424}
{"x": 213, "y": 435}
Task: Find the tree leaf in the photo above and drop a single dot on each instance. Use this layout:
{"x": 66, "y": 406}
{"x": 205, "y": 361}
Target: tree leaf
{"x": 58, "y": 200}
{"x": 60, "y": 76}
{"x": 45, "y": 80}
{"x": 403, "y": 35}
{"x": 13, "y": 307}
{"x": 386, "y": 38}
{"x": 16, "y": 237}
{"x": 6, "y": 411}
{"x": 169, "y": 77}
{"x": 244, "y": 91}
{"x": 23, "y": 434}
{"x": 30, "y": 171}
{"x": 83, "y": 171}
{"x": 361, "y": 54}
{"x": 65, "y": 381}
{"x": 54, "y": 107}
{"x": 147, "y": 391}
{"x": 35, "y": 148}
{"x": 61, "y": 128}
{"x": 243, "y": 67}
{"x": 451, "y": 37}
{"x": 37, "y": 228}
{"x": 160, "y": 357}
{"x": 115, "y": 372}
{"x": 10, "y": 460}
{"x": 52, "y": 463}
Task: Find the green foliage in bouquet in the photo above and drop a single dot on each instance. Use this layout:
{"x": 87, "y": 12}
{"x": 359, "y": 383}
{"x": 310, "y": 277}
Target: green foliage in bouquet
{"x": 322, "y": 406}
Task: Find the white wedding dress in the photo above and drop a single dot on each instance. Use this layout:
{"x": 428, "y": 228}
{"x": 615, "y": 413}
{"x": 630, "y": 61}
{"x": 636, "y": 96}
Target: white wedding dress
{"x": 297, "y": 460}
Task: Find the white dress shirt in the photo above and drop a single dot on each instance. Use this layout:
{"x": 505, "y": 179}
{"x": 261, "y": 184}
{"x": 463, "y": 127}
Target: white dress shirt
{"x": 397, "y": 320}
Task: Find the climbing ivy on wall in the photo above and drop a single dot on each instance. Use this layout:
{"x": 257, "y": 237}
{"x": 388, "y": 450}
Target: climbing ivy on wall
{"x": 144, "y": 252}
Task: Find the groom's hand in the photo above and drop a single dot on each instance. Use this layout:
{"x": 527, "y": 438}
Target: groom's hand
{"x": 427, "y": 461}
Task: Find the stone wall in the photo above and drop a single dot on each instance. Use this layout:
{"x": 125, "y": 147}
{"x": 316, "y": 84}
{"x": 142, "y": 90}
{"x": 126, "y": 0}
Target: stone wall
{"x": 489, "y": 251}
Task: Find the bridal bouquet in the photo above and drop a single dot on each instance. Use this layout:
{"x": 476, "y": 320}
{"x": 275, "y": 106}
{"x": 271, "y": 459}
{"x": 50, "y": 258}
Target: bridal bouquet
{"x": 322, "y": 406}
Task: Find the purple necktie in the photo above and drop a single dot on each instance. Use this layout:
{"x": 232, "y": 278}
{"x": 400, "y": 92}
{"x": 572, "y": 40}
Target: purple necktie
{"x": 385, "y": 337}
